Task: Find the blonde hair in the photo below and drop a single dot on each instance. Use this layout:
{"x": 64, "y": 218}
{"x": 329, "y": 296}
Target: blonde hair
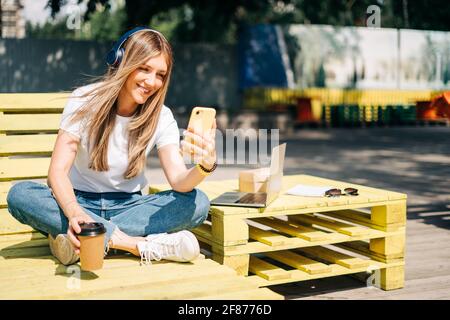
{"x": 100, "y": 109}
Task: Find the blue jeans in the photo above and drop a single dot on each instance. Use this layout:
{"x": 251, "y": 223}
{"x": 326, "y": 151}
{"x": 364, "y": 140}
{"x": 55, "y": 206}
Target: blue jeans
{"x": 135, "y": 214}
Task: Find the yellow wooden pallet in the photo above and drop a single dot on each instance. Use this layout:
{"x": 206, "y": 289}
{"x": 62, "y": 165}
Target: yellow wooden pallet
{"x": 370, "y": 227}
{"x": 28, "y": 126}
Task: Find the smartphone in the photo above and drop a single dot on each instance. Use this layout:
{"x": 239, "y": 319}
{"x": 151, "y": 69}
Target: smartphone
{"x": 201, "y": 120}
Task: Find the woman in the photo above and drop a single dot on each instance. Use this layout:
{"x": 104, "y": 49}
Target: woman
{"x": 97, "y": 167}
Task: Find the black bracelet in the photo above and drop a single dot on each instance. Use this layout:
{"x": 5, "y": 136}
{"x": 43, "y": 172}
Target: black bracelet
{"x": 210, "y": 170}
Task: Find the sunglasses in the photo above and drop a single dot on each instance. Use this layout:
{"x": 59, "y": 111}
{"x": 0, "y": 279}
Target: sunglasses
{"x": 338, "y": 192}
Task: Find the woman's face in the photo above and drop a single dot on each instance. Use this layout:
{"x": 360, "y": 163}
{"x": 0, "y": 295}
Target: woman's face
{"x": 146, "y": 80}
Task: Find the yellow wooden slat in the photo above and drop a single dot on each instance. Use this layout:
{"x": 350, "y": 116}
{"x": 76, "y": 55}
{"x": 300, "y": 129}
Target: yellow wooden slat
{"x": 268, "y": 237}
{"x": 354, "y": 216}
{"x": 12, "y": 97}
{"x": 337, "y": 270}
{"x": 340, "y": 227}
{"x": 364, "y": 195}
{"x": 27, "y": 109}
{"x": 375, "y": 193}
{"x": 42, "y": 242}
{"x": 4, "y": 188}
{"x": 362, "y": 218}
{"x": 359, "y": 247}
{"x": 284, "y": 202}
{"x": 45, "y": 264}
{"x": 17, "y": 239}
{"x": 267, "y": 270}
{"x": 48, "y": 267}
{"x": 28, "y": 168}
{"x": 51, "y": 101}
{"x": 363, "y": 248}
{"x": 41, "y": 144}
{"x": 192, "y": 287}
{"x": 100, "y": 281}
{"x": 203, "y": 231}
{"x": 297, "y": 261}
{"x": 294, "y": 242}
{"x": 336, "y": 257}
{"x": 13, "y": 254}
{"x": 21, "y": 268}
{"x": 309, "y": 234}
{"x": 9, "y": 225}
{"x": 14, "y": 123}
{"x": 13, "y": 245}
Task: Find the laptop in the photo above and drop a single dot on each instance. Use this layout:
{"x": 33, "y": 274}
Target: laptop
{"x": 259, "y": 199}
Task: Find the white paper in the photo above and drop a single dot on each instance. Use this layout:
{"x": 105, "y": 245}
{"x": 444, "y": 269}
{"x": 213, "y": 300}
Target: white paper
{"x": 308, "y": 191}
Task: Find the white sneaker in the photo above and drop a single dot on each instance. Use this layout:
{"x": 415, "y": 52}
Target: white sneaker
{"x": 62, "y": 249}
{"x": 180, "y": 246}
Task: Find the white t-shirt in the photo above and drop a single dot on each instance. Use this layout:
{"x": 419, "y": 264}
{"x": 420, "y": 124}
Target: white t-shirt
{"x": 113, "y": 180}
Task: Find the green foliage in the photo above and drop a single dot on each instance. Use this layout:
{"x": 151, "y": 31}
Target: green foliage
{"x": 107, "y": 25}
{"x": 49, "y": 30}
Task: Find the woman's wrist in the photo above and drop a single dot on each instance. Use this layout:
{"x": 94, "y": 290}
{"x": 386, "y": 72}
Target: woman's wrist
{"x": 209, "y": 163}
{"x": 73, "y": 210}
{"x": 206, "y": 171}
{"x": 208, "y": 166}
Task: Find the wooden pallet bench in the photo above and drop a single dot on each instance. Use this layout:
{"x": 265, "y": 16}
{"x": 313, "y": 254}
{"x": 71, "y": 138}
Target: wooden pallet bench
{"x": 28, "y": 128}
{"x": 304, "y": 238}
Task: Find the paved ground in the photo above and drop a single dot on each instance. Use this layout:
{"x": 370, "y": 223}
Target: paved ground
{"x": 413, "y": 160}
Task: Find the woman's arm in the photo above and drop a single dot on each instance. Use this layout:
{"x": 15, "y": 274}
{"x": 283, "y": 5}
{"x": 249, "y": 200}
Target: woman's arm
{"x": 180, "y": 178}
{"x": 63, "y": 156}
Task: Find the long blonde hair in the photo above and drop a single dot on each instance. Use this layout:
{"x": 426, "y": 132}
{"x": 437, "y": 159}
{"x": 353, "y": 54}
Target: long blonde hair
{"x": 100, "y": 109}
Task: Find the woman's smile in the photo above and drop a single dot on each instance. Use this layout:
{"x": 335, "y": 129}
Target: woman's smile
{"x": 143, "y": 90}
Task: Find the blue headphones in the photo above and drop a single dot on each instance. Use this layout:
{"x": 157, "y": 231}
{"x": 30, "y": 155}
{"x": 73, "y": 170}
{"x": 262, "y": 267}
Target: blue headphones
{"x": 115, "y": 56}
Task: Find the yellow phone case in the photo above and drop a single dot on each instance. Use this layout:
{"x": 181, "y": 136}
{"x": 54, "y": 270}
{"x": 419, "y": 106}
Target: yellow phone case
{"x": 201, "y": 120}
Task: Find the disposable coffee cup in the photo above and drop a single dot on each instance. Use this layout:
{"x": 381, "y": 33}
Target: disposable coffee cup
{"x": 92, "y": 238}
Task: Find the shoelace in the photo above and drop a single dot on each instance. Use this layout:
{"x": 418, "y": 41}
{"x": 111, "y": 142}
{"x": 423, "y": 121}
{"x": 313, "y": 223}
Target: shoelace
{"x": 157, "y": 248}
{"x": 105, "y": 252}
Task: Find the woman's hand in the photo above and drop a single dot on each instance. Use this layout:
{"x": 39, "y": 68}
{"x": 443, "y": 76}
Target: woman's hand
{"x": 201, "y": 147}
{"x": 74, "y": 227}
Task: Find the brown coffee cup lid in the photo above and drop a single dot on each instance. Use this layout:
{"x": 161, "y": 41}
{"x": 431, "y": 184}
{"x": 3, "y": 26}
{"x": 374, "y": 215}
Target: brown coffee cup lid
{"x": 92, "y": 229}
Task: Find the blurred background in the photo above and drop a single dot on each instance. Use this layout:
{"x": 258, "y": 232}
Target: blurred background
{"x": 298, "y": 62}
{"x": 359, "y": 89}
